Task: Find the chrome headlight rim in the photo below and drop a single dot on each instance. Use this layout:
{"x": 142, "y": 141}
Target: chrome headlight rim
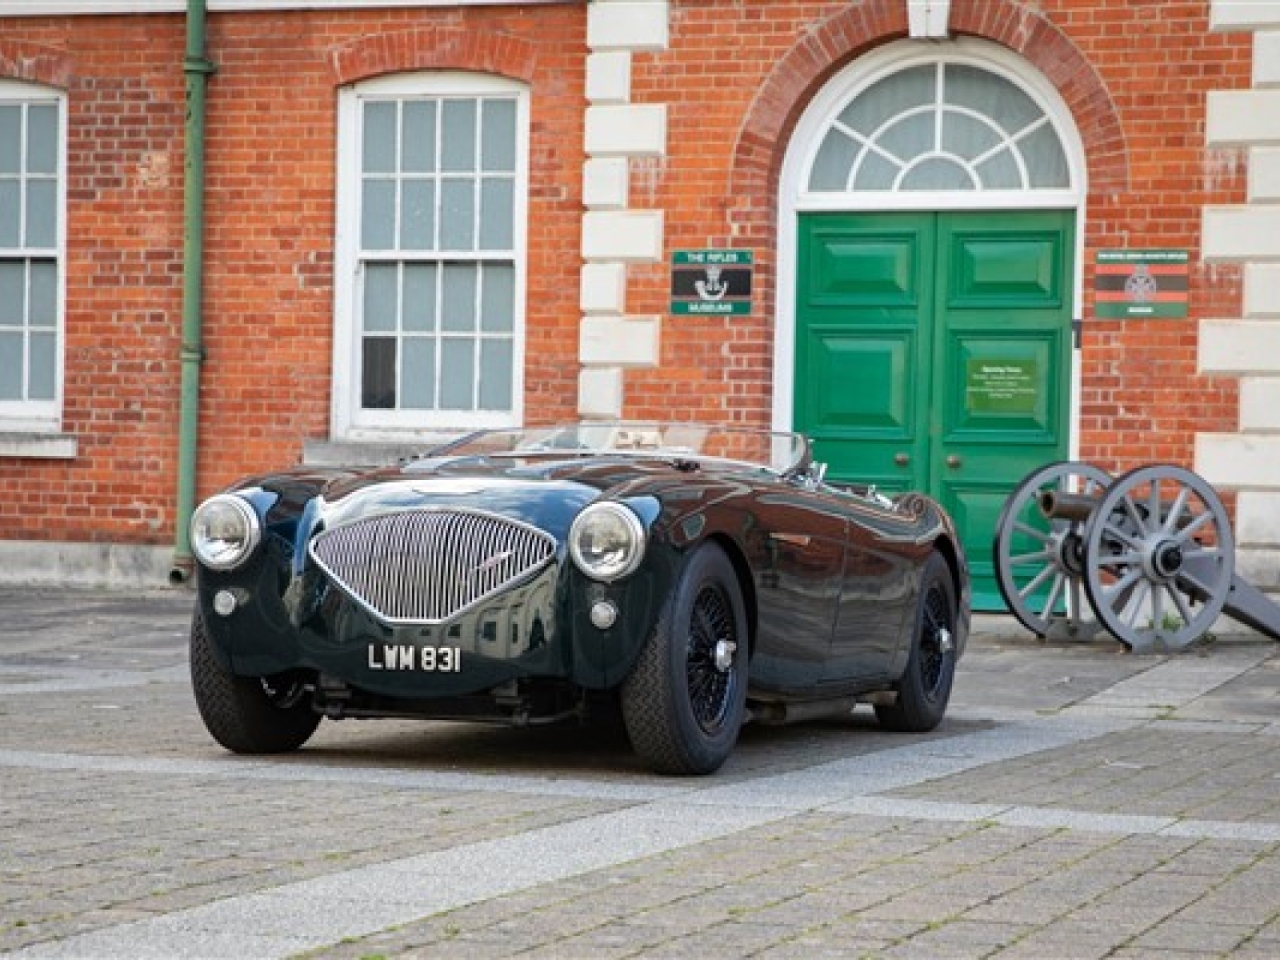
{"x": 633, "y": 552}
{"x": 251, "y": 537}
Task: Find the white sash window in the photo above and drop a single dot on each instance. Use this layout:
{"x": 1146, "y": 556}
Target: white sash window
{"x": 430, "y": 319}
{"x": 31, "y": 243}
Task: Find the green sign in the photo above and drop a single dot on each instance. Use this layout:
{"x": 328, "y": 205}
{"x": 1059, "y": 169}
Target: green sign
{"x": 711, "y": 282}
{"x": 1149, "y": 284}
{"x": 1010, "y": 385}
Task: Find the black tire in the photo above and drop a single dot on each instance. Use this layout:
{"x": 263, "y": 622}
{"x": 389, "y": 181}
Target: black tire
{"x": 247, "y": 714}
{"x": 682, "y": 710}
{"x": 925, "y": 687}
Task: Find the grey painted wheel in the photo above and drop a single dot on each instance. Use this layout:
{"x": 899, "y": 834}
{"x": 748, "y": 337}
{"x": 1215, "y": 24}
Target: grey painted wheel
{"x": 1159, "y": 558}
{"x": 1038, "y": 561}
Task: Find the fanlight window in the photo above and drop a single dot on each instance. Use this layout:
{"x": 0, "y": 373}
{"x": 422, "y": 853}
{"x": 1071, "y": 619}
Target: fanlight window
{"x": 941, "y": 126}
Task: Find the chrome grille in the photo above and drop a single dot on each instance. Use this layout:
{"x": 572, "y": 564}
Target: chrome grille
{"x": 425, "y": 566}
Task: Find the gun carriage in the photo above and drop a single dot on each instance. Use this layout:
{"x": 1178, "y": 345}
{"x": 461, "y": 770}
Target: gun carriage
{"x": 1149, "y": 557}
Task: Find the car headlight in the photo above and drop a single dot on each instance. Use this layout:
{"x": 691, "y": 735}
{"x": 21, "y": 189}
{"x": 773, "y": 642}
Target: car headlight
{"x": 607, "y": 541}
{"x": 224, "y": 531}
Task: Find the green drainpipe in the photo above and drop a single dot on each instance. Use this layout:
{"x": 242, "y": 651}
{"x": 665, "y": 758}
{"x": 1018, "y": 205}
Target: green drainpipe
{"x": 197, "y": 68}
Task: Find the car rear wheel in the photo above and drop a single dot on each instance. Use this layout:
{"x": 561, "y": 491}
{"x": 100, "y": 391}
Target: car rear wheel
{"x": 925, "y": 687}
{"x": 684, "y": 701}
{"x": 248, "y": 714}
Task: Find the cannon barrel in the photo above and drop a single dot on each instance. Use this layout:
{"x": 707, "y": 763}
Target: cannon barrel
{"x": 1058, "y": 505}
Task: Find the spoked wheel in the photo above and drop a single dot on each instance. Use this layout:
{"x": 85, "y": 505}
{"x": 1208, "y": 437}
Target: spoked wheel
{"x": 1159, "y": 558}
{"x": 248, "y": 714}
{"x": 925, "y": 688}
{"x": 1039, "y": 562}
{"x": 685, "y": 699}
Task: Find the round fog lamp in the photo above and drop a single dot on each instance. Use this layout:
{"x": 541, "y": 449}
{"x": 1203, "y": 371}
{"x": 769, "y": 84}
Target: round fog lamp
{"x": 224, "y": 603}
{"x": 603, "y": 614}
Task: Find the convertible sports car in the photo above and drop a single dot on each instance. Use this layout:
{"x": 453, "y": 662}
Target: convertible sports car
{"x": 696, "y": 577}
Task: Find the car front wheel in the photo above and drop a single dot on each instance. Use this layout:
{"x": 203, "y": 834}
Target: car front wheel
{"x": 685, "y": 699}
{"x": 925, "y": 687}
{"x": 248, "y": 714}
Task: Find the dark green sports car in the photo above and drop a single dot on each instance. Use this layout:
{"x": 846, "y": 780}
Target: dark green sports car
{"x": 696, "y": 577}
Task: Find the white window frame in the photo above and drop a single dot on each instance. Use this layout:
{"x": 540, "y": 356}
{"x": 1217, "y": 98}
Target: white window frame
{"x": 43, "y": 416}
{"x": 349, "y": 421}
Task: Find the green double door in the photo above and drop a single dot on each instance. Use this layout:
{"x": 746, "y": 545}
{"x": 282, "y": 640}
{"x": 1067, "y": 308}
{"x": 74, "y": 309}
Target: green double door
{"x": 933, "y": 353}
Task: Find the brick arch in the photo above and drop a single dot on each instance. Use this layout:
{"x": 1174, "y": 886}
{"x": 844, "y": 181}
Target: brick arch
{"x": 35, "y": 64}
{"x": 484, "y": 51}
{"x": 761, "y": 145}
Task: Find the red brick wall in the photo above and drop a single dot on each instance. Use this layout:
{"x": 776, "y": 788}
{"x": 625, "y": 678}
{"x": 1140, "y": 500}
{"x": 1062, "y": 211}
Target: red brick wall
{"x": 736, "y": 77}
{"x": 270, "y": 155}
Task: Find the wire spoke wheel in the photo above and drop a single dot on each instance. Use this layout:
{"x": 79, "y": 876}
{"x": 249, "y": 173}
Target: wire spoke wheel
{"x": 1159, "y": 558}
{"x": 712, "y": 632}
{"x": 1038, "y": 561}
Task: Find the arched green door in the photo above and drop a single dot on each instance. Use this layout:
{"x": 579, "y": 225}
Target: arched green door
{"x": 933, "y": 353}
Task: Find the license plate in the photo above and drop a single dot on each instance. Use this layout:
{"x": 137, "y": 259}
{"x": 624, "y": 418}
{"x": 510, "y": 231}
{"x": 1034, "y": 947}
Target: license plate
{"x": 410, "y": 658}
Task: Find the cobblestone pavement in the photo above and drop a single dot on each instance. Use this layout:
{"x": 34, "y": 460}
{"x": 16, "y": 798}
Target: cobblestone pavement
{"x": 1078, "y": 802}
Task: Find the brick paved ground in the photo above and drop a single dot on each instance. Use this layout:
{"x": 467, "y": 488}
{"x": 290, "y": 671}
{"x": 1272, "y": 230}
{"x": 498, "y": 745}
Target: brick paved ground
{"x": 1079, "y": 802}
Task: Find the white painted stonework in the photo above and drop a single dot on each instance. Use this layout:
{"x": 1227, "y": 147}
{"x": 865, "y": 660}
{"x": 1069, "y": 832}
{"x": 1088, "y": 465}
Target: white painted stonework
{"x": 615, "y": 341}
{"x": 1262, "y": 290}
{"x": 1243, "y": 117}
{"x": 609, "y": 77}
{"x": 617, "y": 132}
{"x": 1249, "y": 461}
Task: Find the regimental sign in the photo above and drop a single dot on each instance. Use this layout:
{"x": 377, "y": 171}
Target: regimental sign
{"x": 711, "y": 282}
{"x": 1129, "y": 284}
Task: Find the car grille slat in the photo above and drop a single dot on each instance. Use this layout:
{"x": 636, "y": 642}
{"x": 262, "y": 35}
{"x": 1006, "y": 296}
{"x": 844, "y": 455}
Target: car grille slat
{"x": 426, "y": 566}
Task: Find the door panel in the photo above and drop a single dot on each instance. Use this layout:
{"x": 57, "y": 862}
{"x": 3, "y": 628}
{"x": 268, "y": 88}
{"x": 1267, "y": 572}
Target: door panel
{"x": 933, "y": 353}
{"x": 865, "y": 279}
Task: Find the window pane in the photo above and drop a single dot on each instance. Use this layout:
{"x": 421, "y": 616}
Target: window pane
{"x": 379, "y": 149}
{"x": 418, "y": 150}
{"x": 991, "y": 96}
{"x": 13, "y": 293}
{"x": 378, "y": 215}
{"x": 887, "y": 98}
{"x": 44, "y": 294}
{"x": 495, "y": 375}
{"x": 937, "y": 173}
{"x": 380, "y": 290}
{"x": 419, "y": 374}
{"x": 418, "y": 312}
{"x": 10, "y": 139}
{"x": 459, "y": 297}
{"x": 378, "y": 381}
{"x": 11, "y": 366}
{"x": 966, "y": 137}
{"x": 832, "y": 164}
{"x": 42, "y": 139}
{"x": 498, "y": 136}
{"x": 43, "y": 367}
{"x": 42, "y": 213}
{"x": 457, "y": 215}
{"x": 876, "y": 173}
{"x": 418, "y": 215}
{"x": 497, "y": 200}
{"x": 909, "y": 137}
{"x": 1000, "y": 172}
{"x": 1046, "y": 162}
{"x": 10, "y": 212}
{"x": 497, "y": 308}
{"x": 458, "y": 135}
{"x": 457, "y": 374}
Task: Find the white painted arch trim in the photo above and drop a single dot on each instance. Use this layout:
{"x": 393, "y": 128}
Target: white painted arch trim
{"x": 794, "y": 199}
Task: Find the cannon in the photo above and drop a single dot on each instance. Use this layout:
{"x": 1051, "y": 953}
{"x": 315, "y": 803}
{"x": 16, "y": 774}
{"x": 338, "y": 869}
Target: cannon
{"x": 1149, "y": 557}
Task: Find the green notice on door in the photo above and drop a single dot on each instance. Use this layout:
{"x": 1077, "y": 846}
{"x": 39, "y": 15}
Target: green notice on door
{"x": 1002, "y": 386}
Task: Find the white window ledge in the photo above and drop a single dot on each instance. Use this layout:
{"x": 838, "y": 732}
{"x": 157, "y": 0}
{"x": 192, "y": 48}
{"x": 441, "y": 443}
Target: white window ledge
{"x": 371, "y": 453}
{"x": 45, "y": 446}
